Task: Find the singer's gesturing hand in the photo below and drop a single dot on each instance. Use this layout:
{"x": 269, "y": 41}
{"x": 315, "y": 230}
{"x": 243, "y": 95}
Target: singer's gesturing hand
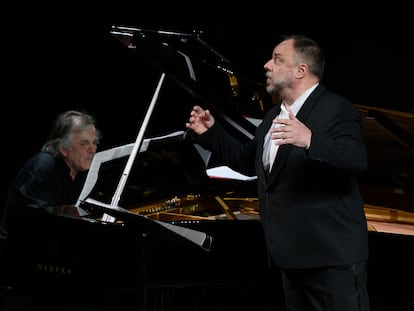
{"x": 291, "y": 131}
{"x": 200, "y": 120}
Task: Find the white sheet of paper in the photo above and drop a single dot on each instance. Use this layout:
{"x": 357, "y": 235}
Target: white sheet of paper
{"x": 228, "y": 173}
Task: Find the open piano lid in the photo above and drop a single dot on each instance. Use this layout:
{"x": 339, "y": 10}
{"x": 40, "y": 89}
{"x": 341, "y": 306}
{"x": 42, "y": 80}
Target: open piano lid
{"x": 389, "y": 139}
{"x": 388, "y": 185}
{"x": 202, "y": 72}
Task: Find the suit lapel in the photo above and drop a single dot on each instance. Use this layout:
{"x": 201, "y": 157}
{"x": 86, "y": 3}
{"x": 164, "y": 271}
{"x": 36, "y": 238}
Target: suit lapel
{"x": 265, "y": 126}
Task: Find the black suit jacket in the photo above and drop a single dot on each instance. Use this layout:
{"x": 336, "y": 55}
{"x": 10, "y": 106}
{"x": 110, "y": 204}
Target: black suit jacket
{"x": 310, "y": 206}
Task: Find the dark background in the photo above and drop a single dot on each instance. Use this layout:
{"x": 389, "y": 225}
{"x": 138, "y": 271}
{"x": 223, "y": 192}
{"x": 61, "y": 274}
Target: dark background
{"x": 60, "y": 57}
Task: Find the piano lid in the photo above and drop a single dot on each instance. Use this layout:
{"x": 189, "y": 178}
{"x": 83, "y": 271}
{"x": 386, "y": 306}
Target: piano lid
{"x": 389, "y": 138}
{"x": 201, "y": 72}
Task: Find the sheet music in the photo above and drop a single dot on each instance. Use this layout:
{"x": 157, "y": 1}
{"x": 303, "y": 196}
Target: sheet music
{"x": 227, "y": 173}
{"x": 112, "y": 154}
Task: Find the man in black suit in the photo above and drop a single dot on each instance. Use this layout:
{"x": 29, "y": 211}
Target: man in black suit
{"x": 307, "y": 154}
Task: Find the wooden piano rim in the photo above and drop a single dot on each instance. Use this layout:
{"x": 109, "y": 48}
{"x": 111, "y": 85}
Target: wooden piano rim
{"x": 379, "y": 213}
{"x": 382, "y": 219}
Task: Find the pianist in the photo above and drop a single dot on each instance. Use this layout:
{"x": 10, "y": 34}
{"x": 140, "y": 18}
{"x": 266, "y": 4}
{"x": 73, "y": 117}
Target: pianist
{"x": 56, "y": 174}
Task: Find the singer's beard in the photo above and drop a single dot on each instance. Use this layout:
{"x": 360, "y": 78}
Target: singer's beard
{"x": 276, "y": 87}
{"x": 272, "y": 90}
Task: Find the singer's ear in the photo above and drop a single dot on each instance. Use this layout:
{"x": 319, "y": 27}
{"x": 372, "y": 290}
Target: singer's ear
{"x": 302, "y": 70}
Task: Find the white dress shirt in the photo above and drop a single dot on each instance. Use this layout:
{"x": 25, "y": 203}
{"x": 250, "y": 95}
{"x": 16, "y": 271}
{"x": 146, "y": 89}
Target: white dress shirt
{"x": 270, "y": 147}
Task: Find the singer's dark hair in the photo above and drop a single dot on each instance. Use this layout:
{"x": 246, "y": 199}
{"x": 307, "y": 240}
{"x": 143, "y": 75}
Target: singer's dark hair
{"x": 308, "y": 51}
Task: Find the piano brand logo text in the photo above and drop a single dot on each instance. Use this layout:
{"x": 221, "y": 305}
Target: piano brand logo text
{"x": 54, "y": 269}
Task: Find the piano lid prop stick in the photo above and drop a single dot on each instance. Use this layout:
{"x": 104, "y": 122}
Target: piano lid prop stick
{"x": 137, "y": 145}
{"x": 229, "y": 213}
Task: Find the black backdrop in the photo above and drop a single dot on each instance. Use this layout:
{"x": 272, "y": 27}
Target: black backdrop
{"x": 63, "y": 57}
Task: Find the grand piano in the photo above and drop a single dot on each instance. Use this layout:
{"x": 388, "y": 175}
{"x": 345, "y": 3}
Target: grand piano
{"x": 137, "y": 261}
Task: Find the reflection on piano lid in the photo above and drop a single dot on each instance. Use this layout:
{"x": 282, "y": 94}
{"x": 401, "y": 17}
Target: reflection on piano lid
{"x": 388, "y": 185}
{"x": 168, "y": 167}
{"x": 389, "y": 139}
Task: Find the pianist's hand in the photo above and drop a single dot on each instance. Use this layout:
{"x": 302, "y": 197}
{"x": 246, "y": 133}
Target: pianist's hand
{"x": 200, "y": 120}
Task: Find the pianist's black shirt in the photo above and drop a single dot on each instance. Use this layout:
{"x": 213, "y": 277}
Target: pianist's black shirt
{"x": 43, "y": 181}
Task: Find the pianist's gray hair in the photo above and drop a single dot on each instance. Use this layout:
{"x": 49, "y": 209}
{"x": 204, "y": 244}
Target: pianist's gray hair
{"x": 64, "y": 126}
